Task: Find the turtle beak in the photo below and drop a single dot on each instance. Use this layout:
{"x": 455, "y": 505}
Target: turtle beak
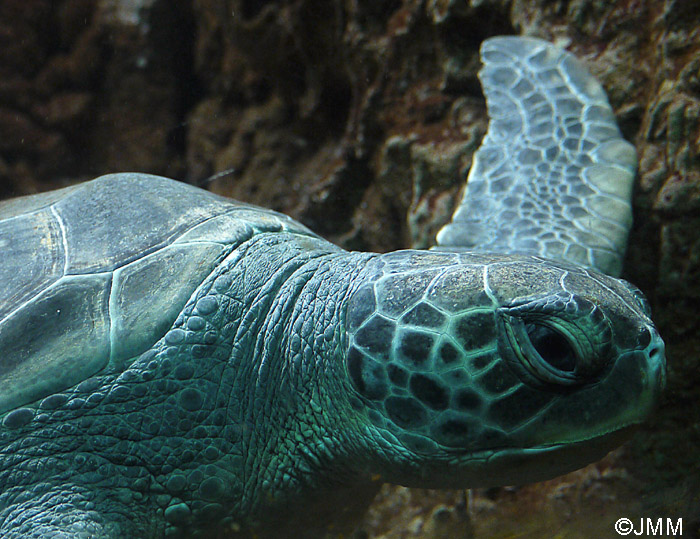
{"x": 656, "y": 357}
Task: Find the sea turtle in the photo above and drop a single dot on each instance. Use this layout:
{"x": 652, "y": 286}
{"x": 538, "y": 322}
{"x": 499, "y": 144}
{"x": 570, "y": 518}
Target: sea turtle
{"x": 173, "y": 362}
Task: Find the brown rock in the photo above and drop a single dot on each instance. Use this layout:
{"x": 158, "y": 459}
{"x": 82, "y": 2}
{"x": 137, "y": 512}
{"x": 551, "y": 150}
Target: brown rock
{"x": 360, "y": 118}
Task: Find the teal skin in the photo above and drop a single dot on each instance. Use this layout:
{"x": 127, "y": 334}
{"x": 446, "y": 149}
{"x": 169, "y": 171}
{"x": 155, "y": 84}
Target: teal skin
{"x": 178, "y": 364}
{"x": 526, "y": 364}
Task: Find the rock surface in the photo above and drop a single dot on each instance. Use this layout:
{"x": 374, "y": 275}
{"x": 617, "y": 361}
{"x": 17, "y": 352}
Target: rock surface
{"x": 360, "y": 119}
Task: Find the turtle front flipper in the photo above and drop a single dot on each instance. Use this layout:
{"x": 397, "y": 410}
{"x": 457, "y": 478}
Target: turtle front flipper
{"x": 553, "y": 176}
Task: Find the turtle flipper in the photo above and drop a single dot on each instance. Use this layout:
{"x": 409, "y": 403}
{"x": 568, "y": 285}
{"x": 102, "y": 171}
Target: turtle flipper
{"x": 553, "y": 176}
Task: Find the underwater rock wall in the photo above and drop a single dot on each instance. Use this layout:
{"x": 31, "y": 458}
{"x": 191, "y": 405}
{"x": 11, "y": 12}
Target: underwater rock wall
{"x": 360, "y": 119}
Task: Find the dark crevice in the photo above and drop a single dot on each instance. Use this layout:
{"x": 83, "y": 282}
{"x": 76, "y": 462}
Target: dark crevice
{"x": 173, "y": 36}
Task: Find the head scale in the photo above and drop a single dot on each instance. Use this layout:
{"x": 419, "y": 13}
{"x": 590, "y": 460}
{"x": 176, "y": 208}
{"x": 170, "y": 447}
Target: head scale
{"x": 466, "y": 365}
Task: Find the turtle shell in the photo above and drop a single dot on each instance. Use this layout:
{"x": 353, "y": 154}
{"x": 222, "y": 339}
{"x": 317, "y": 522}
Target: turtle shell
{"x": 93, "y": 275}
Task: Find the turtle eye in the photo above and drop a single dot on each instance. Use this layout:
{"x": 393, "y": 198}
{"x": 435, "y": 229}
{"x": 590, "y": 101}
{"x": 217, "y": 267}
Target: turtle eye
{"x": 545, "y": 352}
{"x": 555, "y": 341}
{"x": 552, "y": 347}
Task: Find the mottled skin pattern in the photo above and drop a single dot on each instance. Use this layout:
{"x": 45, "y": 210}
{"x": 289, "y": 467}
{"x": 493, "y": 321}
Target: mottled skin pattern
{"x": 198, "y": 428}
{"x": 234, "y": 414}
{"x": 174, "y": 363}
{"x": 435, "y": 341}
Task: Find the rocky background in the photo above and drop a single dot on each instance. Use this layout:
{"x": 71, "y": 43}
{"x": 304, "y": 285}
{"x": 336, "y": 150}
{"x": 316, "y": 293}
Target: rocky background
{"x": 360, "y": 118}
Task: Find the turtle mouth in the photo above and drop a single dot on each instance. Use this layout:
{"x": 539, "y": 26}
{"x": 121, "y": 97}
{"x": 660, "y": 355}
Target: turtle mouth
{"x": 517, "y": 466}
{"x": 601, "y": 443}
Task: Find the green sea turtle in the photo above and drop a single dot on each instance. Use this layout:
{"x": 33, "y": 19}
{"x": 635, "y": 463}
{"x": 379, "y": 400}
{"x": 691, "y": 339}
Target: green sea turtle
{"x": 173, "y": 362}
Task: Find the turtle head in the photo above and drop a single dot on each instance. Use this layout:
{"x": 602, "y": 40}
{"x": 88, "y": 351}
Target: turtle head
{"x": 477, "y": 370}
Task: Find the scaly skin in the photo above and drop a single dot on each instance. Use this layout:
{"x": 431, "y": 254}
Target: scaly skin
{"x": 299, "y": 377}
{"x": 226, "y": 415}
{"x": 254, "y": 412}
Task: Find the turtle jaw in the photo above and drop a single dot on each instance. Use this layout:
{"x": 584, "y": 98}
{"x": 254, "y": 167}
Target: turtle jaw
{"x": 531, "y": 465}
{"x": 519, "y": 466}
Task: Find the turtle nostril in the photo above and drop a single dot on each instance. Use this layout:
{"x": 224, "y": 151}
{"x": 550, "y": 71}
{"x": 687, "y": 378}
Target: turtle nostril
{"x": 658, "y": 348}
{"x": 656, "y": 354}
{"x": 650, "y": 339}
